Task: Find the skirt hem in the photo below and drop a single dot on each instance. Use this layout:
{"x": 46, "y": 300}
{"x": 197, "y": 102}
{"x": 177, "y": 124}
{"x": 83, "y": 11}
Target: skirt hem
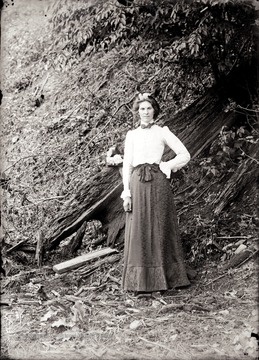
{"x": 152, "y": 278}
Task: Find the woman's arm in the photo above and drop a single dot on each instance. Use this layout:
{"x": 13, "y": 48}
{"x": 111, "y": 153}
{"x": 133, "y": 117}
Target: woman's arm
{"x": 182, "y": 154}
{"x": 127, "y": 165}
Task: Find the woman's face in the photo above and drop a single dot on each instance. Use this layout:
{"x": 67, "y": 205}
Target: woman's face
{"x": 146, "y": 112}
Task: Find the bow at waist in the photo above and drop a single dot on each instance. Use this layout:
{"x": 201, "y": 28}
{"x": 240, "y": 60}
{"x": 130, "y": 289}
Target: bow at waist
{"x": 144, "y": 171}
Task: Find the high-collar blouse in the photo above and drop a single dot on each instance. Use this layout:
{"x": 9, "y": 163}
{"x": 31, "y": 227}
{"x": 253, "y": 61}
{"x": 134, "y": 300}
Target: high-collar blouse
{"x": 147, "y": 146}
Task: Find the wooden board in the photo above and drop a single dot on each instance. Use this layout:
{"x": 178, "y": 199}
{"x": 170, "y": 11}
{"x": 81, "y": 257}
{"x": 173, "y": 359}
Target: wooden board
{"x": 81, "y": 260}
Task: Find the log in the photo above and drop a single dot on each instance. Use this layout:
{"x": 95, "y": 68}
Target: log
{"x": 99, "y": 197}
{"x": 245, "y": 174}
{"x": 76, "y": 219}
{"x": 238, "y": 259}
{"x": 81, "y": 260}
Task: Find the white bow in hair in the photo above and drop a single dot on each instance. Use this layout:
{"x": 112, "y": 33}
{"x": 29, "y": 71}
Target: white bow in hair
{"x": 144, "y": 96}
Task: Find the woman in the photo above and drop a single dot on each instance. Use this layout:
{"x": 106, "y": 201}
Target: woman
{"x": 153, "y": 257}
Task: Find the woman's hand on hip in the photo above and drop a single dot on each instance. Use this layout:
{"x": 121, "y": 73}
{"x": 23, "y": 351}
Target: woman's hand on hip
{"x": 127, "y": 204}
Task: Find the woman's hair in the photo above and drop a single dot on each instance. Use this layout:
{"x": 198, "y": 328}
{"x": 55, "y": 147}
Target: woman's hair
{"x": 146, "y": 97}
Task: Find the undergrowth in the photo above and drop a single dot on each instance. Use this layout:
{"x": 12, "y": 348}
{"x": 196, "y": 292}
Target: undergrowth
{"x": 58, "y": 125}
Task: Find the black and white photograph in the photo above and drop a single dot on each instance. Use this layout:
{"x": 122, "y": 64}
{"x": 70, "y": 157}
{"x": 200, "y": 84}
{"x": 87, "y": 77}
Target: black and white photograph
{"x": 129, "y": 179}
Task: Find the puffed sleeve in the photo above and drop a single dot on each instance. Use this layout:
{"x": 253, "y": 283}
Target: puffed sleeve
{"x": 127, "y": 165}
{"x": 182, "y": 154}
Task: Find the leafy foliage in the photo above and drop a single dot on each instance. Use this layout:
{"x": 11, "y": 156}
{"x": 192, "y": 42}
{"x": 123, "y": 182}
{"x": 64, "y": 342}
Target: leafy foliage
{"x": 201, "y": 229}
{"x": 198, "y": 33}
{"x": 230, "y": 149}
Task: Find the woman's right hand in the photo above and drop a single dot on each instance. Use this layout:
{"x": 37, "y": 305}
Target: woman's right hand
{"x": 127, "y": 204}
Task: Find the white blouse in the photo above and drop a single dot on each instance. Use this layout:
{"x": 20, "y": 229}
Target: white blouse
{"x": 147, "y": 146}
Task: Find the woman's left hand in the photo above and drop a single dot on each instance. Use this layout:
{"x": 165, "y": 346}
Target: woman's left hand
{"x": 127, "y": 204}
{"x": 165, "y": 168}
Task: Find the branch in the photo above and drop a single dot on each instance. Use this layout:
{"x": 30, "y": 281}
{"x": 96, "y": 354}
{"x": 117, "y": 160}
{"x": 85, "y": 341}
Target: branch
{"x": 30, "y": 156}
{"x": 246, "y": 109}
{"x": 15, "y": 247}
{"x": 47, "y": 199}
{"x": 240, "y": 51}
{"x": 42, "y": 87}
{"x": 250, "y": 157}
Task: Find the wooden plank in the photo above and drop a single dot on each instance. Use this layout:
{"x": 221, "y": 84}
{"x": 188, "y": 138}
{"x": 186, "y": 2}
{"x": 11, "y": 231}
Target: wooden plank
{"x": 81, "y": 260}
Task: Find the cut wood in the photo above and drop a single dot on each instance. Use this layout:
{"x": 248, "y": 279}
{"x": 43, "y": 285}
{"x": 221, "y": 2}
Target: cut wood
{"x": 39, "y": 249}
{"x": 238, "y": 259}
{"x": 234, "y": 237}
{"x": 81, "y": 260}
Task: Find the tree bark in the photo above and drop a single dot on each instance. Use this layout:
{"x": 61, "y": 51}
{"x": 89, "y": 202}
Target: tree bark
{"x": 99, "y": 198}
{"x": 245, "y": 174}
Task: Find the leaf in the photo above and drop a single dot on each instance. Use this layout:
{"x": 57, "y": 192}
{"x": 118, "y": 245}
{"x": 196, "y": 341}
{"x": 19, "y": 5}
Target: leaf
{"x": 252, "y": 350}
{"x": 173, "y": 337}
{"x": 236, "y": 340}
{"x": 238, "y": 347}
{"x": 48, "y": 315}
{"x": 136, "y": 324}
{"x": 129, "y": 302}
{"x": 123, "y": 21}
{"x": 213, "y": 170}
{"x": 108, "y": 322}
{"x": 62, "y": 322}
{"x": 224, "y": 312}
{"x": 240, "y": 248}
{"x": 156, "y": 304}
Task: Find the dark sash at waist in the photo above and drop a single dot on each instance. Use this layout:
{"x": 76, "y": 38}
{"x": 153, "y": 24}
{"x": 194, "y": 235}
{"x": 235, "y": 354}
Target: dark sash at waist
{"x": 144, "y": 171}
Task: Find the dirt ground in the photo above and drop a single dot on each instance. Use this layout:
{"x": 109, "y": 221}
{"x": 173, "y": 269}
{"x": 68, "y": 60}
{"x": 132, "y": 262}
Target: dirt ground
{"x": 66, "y": 316}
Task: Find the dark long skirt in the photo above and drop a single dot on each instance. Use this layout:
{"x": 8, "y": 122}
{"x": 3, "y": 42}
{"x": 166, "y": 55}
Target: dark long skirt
{"x": 153, "y": 256}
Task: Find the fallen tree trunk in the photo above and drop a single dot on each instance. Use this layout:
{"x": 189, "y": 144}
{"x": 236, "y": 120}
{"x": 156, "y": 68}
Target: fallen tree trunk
{"x": 107, "y": 209}
{"x": 245, "y": 174}
{"x": 99, "y": 198}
